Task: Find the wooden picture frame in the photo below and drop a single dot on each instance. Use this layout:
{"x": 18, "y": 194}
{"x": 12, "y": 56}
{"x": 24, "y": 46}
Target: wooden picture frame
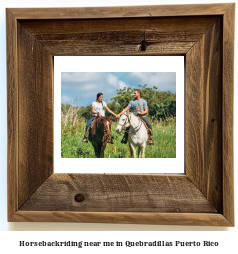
{"x": 204, "y": 34}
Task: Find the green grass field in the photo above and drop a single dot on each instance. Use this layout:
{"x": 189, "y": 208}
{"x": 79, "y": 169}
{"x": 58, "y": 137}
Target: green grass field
{"x": 72, "y": 133}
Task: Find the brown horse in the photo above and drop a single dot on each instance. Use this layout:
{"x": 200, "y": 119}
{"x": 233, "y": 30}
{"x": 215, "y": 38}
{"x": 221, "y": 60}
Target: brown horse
{"x": 100, "y": 134}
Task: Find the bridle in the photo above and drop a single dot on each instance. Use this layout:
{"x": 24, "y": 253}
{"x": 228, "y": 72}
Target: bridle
{"x": 139, "y": 125}
{"x": 125, "y": 121}
{"x": 107, "y": 131}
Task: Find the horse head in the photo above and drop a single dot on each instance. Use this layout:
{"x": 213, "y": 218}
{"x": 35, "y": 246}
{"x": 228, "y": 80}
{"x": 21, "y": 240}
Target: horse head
{"x": 106, "y": 121}
{"x": 100, "y": 134}
{"x": 124, "y": 121}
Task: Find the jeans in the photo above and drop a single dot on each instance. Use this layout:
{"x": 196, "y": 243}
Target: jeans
{"x": 147, "y": 122}
{"x": 88, "y": 123}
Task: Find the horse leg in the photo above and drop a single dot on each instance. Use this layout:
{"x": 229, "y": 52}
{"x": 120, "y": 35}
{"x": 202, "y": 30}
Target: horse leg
{"x": 103, "y": 146}
{"x": 139, "y": 152}
{"x": 96, "y": 149}
{"x": 133, "y": 149}
{"x": 99, "y": 150}
{"x": 143, "y": 150}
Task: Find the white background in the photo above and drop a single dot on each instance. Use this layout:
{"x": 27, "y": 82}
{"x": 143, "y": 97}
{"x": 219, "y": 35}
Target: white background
{"x": 120, "y": 64}
{"x": 9, "y": 240}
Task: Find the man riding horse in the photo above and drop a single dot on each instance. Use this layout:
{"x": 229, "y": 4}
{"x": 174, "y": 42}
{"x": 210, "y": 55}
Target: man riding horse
{"x": 98, "y": 107}
{"x": 140, "y": 108}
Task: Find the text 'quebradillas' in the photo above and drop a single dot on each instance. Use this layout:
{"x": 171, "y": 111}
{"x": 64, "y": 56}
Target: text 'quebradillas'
{"x": 176, "y": 243}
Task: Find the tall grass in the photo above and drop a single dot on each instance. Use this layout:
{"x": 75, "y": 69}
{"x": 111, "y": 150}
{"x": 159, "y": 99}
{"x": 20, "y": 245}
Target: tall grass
{"x": 73, "y": 130}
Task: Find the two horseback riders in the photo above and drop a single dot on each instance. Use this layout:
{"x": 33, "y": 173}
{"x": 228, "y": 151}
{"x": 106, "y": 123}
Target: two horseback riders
{"x": 138, "y": 105}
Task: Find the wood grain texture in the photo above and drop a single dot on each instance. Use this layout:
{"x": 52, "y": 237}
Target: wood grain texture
{"x": 179, "y": 25}
{"x": 227, "y": 113}
{"x": 71, "y": 48}
{"x": 12, "y": 115}
{"x": 192, "y": 219}
{"x": 120, "y": 11}
{"x": 204, "y": 196}
{"x": 204, "y": 115}
{"x": 119, "y": 36}
{"x": 141, "y": 193}
{"x": 35, "y": 114}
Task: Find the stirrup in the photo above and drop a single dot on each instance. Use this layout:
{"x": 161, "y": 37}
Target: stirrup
{"x": 150, "y": 141}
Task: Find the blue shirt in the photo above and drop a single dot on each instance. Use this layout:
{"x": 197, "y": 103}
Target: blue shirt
{"x": 138, "y": 106}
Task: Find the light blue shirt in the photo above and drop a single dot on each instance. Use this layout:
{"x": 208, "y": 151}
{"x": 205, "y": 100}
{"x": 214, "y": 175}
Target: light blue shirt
{"x": 138, "y": 106}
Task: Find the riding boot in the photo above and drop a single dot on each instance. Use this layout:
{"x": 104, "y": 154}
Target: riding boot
{"x": 85, "y": 138}
{"x": 125, "y": 138}
{"x": 150, "y": 139}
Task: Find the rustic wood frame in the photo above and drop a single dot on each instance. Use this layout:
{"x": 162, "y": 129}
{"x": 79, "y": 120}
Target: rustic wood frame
{"x": 204, "y": 34}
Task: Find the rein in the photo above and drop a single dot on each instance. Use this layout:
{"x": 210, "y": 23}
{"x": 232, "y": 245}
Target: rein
{"x": 140, "y": 123}
{"x": 107, "y": 131}
{"x": 125, "y": 122}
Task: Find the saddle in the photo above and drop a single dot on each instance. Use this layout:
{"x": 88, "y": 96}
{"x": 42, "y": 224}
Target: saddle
{"x": 149, "y": 131}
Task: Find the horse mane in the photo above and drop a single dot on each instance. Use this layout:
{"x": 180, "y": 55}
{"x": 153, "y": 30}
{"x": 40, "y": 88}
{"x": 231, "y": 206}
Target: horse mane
{"x": 99, "y": 120}
{"x": 126, "y": 113}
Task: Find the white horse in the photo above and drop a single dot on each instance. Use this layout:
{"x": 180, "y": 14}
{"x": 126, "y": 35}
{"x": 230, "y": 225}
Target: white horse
{"x": 137, "y": 134}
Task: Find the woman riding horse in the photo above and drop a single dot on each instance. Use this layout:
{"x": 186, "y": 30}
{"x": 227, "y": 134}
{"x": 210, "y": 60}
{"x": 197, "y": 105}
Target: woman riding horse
{"x": 98, "y": 107}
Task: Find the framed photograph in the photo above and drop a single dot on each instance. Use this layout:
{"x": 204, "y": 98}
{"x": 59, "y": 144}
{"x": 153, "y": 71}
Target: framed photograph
{"x": 106, "y": 190}
{"x": 75, "y": 90}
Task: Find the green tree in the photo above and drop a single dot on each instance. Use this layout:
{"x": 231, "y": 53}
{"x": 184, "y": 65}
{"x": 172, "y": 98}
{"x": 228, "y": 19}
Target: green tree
{"x": 160, "y": 104}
